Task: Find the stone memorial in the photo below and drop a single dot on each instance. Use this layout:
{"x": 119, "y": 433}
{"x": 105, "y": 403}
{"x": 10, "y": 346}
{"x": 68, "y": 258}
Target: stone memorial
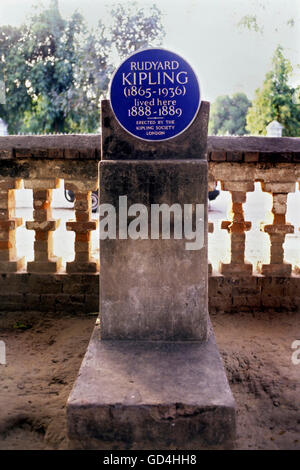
{"x": 152, "y": 377}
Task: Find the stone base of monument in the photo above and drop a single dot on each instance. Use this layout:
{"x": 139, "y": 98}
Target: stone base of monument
{"x": 151, "y": 395}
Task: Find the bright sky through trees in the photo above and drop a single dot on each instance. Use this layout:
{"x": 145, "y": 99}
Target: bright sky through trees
{"x": 227, "y": 58}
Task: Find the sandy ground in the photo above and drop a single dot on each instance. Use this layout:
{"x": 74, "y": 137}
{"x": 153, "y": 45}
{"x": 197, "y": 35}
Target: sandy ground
{"x": 44, "y": 354}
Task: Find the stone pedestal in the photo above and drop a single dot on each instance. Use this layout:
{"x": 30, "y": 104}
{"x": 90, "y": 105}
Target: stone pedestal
{"x": 151, "y": 395}
{"x": 153, "y": 289}
{"x": 152, "y": 377}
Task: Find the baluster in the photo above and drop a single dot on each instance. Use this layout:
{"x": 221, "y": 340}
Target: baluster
{"x": 44, "y": 226}
{"x": 237, "y": 228}
{"x": 278, "y": 229}
{"x": 210, "y": 230}
{"x": 8, "y": 225}
{"x": 211, "y": 187}
{"x": 82, "y": 226}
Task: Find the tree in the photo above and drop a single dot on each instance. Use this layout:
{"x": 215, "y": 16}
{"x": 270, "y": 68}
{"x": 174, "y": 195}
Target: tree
{"x": 228, "y": 115}
{"x": 56, "y": 70}
{"x": 37, "y": 65}
{"x": 132, "y": 28}
{"x": 276, "y": 100}
{"x": 250, "y": 22}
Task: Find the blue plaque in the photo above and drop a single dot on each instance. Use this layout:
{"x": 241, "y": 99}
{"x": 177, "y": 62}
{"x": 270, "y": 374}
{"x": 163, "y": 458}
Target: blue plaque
{"x": 155, "y": 94}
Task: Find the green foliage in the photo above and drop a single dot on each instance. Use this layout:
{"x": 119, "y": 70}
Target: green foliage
{"x": 134, "y": 28}
{"x": 276, "y": 100}
{"x": 250, "y": 22}
{"x": 228, "y": 115}
{"x": 22, "y": 326}
{"x": 37, "y": 63}
{"x": 56, "y": 70}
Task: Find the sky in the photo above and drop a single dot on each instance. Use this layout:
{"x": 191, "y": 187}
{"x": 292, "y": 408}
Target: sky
{"x": 227, "y": 58}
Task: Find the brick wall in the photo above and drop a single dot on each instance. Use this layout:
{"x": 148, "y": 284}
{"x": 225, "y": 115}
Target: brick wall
{"x": 79, "y": 293}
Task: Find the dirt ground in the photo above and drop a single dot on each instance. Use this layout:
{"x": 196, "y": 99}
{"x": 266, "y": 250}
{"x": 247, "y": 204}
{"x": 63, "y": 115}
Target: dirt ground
{"x": 44, "y": 354}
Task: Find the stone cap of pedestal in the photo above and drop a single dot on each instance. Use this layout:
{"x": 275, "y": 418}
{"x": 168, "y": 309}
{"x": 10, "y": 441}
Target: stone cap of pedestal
{"x": 117, "y": 144}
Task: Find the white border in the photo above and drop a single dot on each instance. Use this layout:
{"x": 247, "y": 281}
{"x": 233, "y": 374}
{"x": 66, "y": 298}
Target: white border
{"x": 167, "y": 138}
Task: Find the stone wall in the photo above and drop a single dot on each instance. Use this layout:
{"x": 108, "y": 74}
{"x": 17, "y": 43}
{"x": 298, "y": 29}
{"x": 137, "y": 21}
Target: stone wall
{"x": 237, "y": 162}
{"x": 79, "y": 293}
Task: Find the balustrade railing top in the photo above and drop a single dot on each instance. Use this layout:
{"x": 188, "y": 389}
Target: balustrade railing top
{"x": 82, "y": 146}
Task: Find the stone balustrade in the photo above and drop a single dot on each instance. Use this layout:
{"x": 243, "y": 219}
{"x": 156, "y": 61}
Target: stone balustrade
{"x": 8, "y": 226}
{"x": 41, "y": 162}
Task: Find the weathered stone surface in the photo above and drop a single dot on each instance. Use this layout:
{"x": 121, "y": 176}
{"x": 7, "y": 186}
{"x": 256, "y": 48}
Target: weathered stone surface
{"x": 10, "y": 224}
{"x": 238, "y": 186}
{"x": 117, "y": 144}
{"x": 153, "y": 289}
{"x": 51, "y": 266}
{"x": 222, "y": 291}
{"x": 83, "y": 147}
{"x": 84, "y": 184}
{"x": 232, "y": 156}
{"x": 279, "y": 229}
{"x": 12, "y": 265}
{"x": 278, "y": 187}
{"x": 145, "y": 395}
{"x": 81, "y": 227}
{"x": 269, "y": 145}
{"x": 44, "y": 260}
{"x": 251, "y": 157}
{"x": 279, "y": 203}
{"x": 235, "y": 227}
{"x": 45, "y": 226}
{"x": 82, "y": 267}
{"x": 236, "y": 269}
{"x": 231, "y": 171}
{"x": 84, "y": 172}
{"x": 218, "y": 156}
{"x": 280, "y": 172}
{"x": 6, "y": 154}
{"x": 32, "y": 145}
{"x": 9, "y": 183}
{"x": 277, "y": 269}
{"x": 42, "y": 186}
{"x": 238, "y": 197}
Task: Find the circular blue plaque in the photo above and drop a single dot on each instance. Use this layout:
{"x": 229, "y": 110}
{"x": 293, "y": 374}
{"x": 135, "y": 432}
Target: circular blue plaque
{"x": 155, "y": 94}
